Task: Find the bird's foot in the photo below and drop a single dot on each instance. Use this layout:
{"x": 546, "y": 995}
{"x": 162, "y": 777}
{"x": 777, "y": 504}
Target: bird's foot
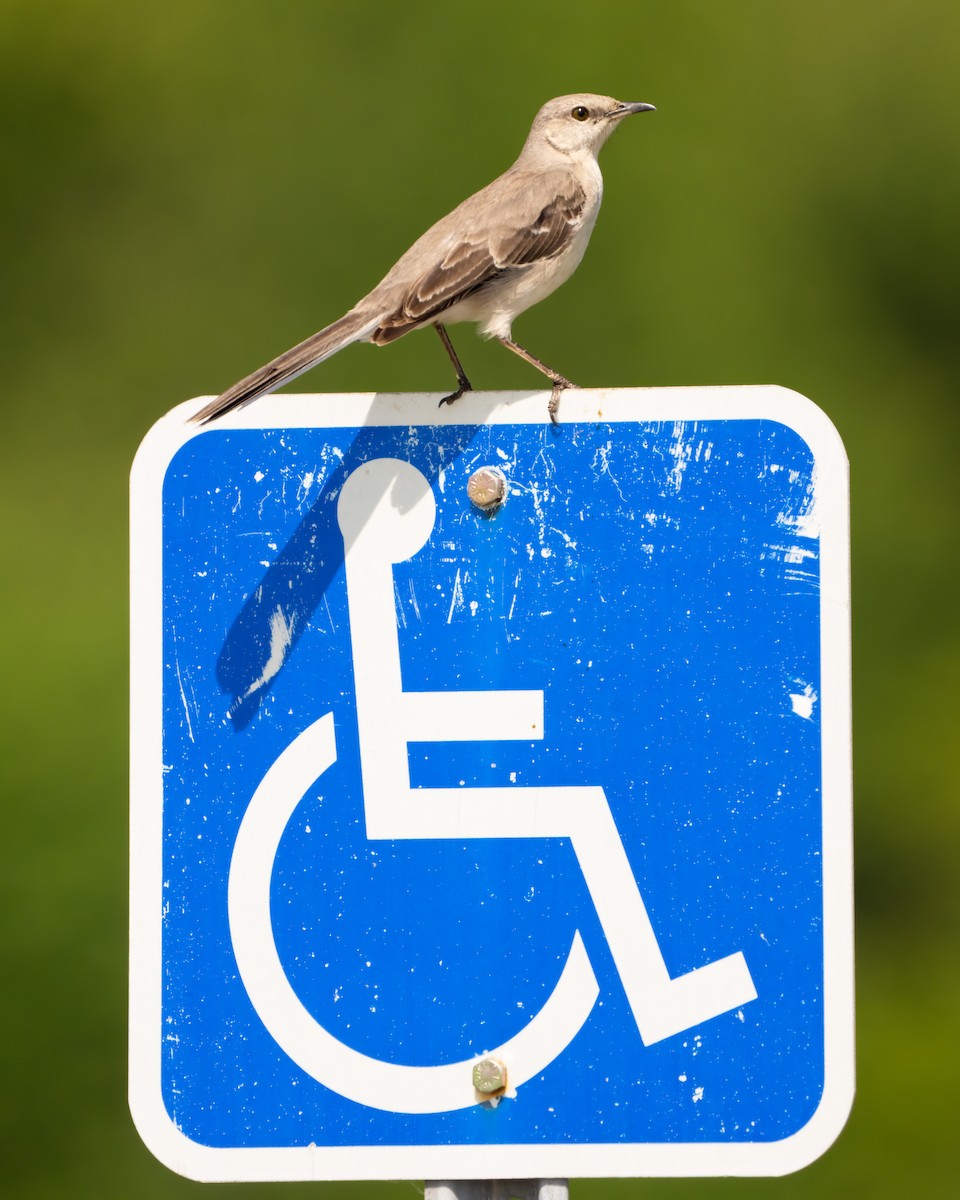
{"x": 465, "y": 386}
{"x": 553, "y": 406}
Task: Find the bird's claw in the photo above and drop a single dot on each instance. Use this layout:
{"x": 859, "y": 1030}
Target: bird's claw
{"x": 465, "y": 386}
{"x": 553, "y": 406}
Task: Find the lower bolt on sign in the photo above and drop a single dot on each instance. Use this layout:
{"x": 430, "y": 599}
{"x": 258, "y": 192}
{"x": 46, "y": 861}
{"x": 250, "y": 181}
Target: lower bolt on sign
{"x": 491, "y": 831}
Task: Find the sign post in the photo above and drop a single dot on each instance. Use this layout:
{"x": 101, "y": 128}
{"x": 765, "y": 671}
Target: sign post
{"x": 491, "y": 843}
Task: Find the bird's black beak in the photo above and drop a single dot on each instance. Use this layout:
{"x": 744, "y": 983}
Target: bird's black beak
{"x": 624, "y": 110}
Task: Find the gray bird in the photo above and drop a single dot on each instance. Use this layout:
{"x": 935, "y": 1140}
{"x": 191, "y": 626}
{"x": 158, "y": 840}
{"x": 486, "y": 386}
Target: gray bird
{"x": 497, "y": 254}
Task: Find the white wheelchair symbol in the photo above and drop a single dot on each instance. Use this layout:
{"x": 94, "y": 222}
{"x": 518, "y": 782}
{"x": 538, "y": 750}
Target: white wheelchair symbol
{"x": 386, "y": 512}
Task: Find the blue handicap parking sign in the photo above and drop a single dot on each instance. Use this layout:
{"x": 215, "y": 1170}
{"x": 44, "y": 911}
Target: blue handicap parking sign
{"x": 562, "y": 790}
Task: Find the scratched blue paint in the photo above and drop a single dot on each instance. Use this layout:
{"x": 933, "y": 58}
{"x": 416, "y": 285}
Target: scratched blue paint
{"x": 659, "y": 584}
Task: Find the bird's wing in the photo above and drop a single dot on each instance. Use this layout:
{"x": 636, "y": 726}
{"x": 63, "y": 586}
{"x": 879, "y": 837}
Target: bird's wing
{"x": 521, "y": 230}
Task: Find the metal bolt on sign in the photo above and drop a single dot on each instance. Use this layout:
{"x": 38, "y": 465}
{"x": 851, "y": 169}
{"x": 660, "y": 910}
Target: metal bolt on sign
{"x": 489, "y": 1076}
{"x": 487, "y": 488}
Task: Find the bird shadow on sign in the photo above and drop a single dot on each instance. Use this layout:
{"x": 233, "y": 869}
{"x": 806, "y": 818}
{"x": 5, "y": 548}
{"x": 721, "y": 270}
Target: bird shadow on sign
{"x": 279, "y": 609}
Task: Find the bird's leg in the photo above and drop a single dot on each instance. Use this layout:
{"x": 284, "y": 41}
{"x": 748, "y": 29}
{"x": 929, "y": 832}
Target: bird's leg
{"x": 558, "y": 381}
{"x": 465, "y": 384}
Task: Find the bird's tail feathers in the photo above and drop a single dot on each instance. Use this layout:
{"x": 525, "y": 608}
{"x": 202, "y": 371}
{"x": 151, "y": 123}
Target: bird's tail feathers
{"x": 354, "y": 327}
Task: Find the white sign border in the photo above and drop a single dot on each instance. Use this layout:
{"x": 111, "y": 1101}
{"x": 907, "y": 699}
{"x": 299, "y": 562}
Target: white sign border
{"x": 597, "y": 1160}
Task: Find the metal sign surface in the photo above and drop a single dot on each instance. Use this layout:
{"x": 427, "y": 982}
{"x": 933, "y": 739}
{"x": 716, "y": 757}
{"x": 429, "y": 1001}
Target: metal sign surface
{"x": 566, "y": 787}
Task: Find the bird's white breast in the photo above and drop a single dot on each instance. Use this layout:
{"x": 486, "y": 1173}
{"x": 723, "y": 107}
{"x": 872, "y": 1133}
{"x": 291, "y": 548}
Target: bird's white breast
{"x": 495, "y": 307}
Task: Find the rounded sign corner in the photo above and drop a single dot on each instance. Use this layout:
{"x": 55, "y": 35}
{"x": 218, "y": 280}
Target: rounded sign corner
{"x": 163, "y": 439}
{"x": 811, "y": 422}
{"x": 814, "y": 1139}
{"x": 170, "y": 1146}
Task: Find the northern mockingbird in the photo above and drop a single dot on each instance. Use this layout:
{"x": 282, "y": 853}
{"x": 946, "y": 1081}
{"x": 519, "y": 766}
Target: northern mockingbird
{"x": 502, "y": 250}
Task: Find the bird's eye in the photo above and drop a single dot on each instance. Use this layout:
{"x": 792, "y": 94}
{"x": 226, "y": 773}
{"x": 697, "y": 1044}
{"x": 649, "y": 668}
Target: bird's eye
{"x": 580, "y": 113}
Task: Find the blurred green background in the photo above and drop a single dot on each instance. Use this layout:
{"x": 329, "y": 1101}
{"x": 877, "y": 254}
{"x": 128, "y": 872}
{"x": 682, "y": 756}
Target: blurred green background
{"x": 789, "y": 215}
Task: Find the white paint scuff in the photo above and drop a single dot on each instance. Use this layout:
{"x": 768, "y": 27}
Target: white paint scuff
{"x": 281, "y": 635}
{"x": 804, "y": 701}
{"x": 805, "y": 522}
{"x": 456, "y": 600}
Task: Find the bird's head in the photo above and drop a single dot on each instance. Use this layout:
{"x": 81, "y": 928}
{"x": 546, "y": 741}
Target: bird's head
{"x": 581, "y": 123}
